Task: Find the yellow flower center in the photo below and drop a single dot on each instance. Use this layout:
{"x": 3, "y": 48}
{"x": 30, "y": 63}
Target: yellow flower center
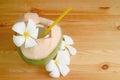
{"x": 56, "y": 62}
{"x": 26, "y": 34}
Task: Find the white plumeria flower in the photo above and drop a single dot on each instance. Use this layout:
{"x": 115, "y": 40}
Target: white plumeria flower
{"x": 25, "y": 34}
{"x": 66, "y": 44}
{"x": 59, "y": 65}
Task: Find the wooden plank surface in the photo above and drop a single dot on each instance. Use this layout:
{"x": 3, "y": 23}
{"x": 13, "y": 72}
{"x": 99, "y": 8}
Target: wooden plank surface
{"x": 93, "y": 24}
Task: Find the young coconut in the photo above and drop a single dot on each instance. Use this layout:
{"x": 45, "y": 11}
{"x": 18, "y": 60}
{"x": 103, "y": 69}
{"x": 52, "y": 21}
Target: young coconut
{"x": 45, "y": 48}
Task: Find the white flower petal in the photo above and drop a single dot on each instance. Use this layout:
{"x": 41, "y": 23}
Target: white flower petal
{"x": 30, "y": 42}
{"x": 31, "y": 24}
{"x": 62, "y": 46}
{"x": 35, "y": 33}
{"x": 18, "y": 40}
{"x": 19, "y": 27}
{"x": 72, "y": 50}
{"x": 63, "y": 57}
{"x": 55, "y": 73}
{"x": 50, "y": 65}
{"x": 64, "y": 69}
{"x": 67, "y": 59}
{"x": 53, "y": 69}
{"x": 31, "y": 28}
{"x": 68, "y": 39}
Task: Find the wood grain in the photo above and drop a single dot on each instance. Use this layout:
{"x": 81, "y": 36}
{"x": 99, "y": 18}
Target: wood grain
{"x": 93, "y": 24}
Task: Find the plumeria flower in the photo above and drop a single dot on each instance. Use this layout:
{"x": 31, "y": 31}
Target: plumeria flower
{"x": 59, "y": 65}
{"x": 66, "y": 44}
{"x": 25, "y": 34}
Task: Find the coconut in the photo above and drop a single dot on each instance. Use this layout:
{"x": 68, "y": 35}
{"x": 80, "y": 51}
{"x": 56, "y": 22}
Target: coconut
{"x": 46, "y": 48}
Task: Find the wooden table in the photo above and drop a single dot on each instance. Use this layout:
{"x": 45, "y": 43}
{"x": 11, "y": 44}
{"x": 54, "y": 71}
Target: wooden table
{"x": 93, "y": 24}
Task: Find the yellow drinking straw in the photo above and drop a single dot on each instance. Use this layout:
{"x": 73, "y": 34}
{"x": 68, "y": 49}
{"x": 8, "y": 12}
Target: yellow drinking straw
{"x": 54, "y": 23}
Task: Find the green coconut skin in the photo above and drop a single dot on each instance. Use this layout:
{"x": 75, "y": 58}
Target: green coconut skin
{"x": 40, "y": 61}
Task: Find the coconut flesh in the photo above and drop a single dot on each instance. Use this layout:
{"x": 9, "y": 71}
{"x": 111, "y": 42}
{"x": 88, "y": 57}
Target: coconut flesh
{"x": 45, "y": 46}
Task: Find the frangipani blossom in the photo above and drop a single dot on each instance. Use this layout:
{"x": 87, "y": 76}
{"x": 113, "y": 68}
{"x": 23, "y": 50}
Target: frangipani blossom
{"x": 25, "y": 34}
{"x": 59, "y": 65}
{"x": 66, "y": 44}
